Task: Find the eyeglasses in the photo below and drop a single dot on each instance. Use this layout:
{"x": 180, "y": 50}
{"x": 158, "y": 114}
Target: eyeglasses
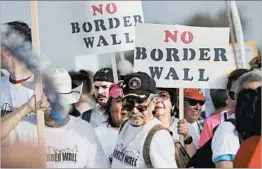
{"x": 231, "y": 95}
{"x": 163, "y": 96}
{"x": 129, "y": 107}
{"x": 193, "y": 102}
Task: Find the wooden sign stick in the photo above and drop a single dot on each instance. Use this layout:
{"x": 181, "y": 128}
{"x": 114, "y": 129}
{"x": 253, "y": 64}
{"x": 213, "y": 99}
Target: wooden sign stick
{"x": 38, "y": 81}
{"x": 181, "y": 111}
{"x": 113, "y": 63}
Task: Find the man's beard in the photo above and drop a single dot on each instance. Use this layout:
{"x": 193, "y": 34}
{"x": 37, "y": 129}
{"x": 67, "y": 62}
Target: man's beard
{"x": 102, "y": 103}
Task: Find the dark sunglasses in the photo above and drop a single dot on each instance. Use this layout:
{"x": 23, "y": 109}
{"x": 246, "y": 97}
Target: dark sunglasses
{"x": 130, "y": 107}
{"x": 193, "y": 102}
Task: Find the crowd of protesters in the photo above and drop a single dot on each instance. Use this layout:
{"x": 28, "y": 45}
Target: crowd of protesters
{"x": 130, "y": 123}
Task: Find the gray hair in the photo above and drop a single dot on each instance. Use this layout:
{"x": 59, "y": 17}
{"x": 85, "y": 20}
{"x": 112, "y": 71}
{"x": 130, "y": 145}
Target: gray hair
{"x": 253, "y": 76}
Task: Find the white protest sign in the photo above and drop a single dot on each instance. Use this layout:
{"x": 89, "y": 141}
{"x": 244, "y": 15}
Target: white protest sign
{"x": 183, "y": 57}
{"x": 105, "y": 27}
{"x": 250, "y": 52}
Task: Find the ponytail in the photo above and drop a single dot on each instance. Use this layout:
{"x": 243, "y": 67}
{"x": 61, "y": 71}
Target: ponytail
{"x": 248, "y": 113}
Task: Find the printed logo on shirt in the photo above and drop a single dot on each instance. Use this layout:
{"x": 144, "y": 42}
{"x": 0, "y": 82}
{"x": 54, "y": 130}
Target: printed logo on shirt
{"x": 6, "y": 108}
{"x": 126, "y": 156}
{"x": 62, "y": 155}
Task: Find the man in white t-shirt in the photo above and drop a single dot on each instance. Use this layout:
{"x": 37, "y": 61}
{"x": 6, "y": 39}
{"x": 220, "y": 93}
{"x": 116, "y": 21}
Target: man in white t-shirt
{"x": 103, "y": 78}
{"x": 13, "y": 87}
{"x": 70, "y": 142}
{"x": 226, "y": 143}
{"x": 139, "y": 100}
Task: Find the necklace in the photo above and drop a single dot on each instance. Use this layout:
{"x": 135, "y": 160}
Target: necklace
{"x": 18, "y": 81}
{"x": 132, "y": 140}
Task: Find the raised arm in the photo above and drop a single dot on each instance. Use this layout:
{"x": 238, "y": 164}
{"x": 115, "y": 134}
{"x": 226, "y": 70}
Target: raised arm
{"x": 9, "y": 122}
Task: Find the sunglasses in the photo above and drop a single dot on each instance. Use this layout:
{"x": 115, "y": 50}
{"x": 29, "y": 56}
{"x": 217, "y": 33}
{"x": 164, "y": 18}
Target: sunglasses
{"x": 231, "y": 95}
{"x": 130, "y": 107}
{"x": 193, "y": 102}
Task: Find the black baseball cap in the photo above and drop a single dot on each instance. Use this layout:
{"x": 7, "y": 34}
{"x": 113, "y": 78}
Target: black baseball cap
{"x": 139, "y": 85}
{"x": 105, "y": 75}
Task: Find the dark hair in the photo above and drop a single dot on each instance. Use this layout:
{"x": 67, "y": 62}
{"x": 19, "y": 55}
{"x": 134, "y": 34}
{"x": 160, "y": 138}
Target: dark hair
{"x": 109, "y": 120}
{"x": 219, "y": 97}
{"x": 233, "y": 76}
{"x": 248, "y": 113}
{"x": 104, "y": 74}
{"x": 82, "y": 77}
{"x": 173, "y": 97}
{"x": 22, "y": 28}
{"x": 255, "y": 63}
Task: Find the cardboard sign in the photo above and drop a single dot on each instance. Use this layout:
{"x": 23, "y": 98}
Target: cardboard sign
{"x": 250, "y": 49}
{"x": 105, "y": 27}
{"x": 182, "y": 56}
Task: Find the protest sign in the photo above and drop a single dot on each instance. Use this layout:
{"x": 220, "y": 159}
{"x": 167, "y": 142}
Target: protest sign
{"x": 183, "y": 57}
{"x": 106, "y": 27}
{"x": 250, "y": 52}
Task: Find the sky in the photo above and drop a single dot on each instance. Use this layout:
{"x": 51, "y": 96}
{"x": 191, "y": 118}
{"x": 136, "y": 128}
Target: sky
{"x": 165, "y": 12}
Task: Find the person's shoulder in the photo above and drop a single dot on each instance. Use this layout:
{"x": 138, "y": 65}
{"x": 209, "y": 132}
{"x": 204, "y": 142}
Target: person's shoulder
{"x": 162, "y": 134}
{"x": 225, "y": 129}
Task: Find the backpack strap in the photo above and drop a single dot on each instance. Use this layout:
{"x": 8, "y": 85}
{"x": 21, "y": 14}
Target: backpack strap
{"x": 146, "y": 147}
{"x": 122, "y": 126}
{"x": 74, "y": 112}
{"x": 224, "y": 116}
{"x": 87, "y": 115}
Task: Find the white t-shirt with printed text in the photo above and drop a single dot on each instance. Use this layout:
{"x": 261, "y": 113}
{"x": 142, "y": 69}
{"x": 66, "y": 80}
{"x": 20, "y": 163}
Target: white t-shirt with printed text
{"x": 129, "y": 153}
{"x": 12, "y": 96}
{"x": 225, "y": 142}
{"x": 74, "y": 145}
{"x": 107, "y": 137}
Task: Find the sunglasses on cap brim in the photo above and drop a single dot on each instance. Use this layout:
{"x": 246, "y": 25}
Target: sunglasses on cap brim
{"x": 193, "y": 102}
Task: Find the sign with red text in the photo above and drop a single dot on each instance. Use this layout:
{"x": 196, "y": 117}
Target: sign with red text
{"x": 180, "y": 56}
{"x": 106, "y": 27}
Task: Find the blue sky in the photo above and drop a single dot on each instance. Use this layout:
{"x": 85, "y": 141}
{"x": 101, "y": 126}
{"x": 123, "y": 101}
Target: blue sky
{"x": 166, "y": 12}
